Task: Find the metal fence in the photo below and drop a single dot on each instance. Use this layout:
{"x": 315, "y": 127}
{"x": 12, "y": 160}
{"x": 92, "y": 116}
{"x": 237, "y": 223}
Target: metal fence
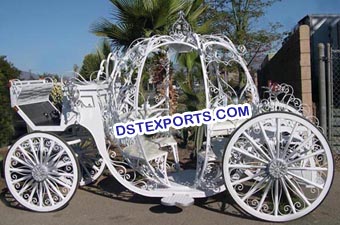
{"x": 334, "y": 94}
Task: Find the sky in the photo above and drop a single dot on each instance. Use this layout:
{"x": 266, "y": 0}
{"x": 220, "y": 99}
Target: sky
{"x": 51, "y": 36}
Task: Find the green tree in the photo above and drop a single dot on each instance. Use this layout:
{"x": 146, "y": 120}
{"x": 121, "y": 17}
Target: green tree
{"x": 7, "y": 72}
{"x": 134, "y": 19}
{"x": 91, "y": 62}
{"x": 56, "y": 96}
{"x": 192, "y": 99}
{"x": 238, "y": 19}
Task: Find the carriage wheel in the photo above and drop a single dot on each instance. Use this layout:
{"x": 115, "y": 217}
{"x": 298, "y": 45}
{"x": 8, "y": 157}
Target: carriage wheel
{"x": 278, "y": 166}
{"x": 90, "y": 161}
{"x": 41, "y": 172}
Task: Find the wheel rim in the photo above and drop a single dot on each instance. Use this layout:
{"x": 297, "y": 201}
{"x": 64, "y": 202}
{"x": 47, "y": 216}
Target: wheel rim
{"x": 41, "y": 172}
{"x": 90, "y": 161}
{"x": 278, "y": 166}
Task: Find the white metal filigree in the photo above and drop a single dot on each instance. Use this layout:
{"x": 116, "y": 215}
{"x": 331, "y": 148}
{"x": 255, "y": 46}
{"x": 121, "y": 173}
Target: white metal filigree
{"x": 41, "y": 172}
{"x": 290, "y": 167}
{"x": 280, "y": 97}
{"x": 277, "y": 166}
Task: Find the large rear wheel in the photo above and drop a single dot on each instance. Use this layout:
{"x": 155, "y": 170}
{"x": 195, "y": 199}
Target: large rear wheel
{"x": 278, "y": 166}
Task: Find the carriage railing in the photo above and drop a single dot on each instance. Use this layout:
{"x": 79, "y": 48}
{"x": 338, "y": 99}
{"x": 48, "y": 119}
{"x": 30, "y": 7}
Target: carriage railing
{"x": 281, "y": 97}
{"x": 27, "y": 92}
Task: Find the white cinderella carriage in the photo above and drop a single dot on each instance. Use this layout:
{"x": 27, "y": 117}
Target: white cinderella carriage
{"x": 277, "y": 166}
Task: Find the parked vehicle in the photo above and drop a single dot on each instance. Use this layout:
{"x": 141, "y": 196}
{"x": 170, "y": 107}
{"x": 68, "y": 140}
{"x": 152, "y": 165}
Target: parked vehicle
{"x": 277, "y": 166}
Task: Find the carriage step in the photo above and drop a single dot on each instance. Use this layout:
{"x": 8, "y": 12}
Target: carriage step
{"x": 177, "y": 200}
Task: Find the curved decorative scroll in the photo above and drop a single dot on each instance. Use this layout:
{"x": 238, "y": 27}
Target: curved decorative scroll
{"x": 181, "y": 28}
{"x": 280, "y": 97}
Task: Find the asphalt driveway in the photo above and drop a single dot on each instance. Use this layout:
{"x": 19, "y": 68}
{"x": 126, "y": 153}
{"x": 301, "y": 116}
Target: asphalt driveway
{"x": 107, "y": 202}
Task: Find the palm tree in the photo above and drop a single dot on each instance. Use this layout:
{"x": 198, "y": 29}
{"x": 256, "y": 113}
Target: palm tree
{"x": 91, "y": 62}
{"x": 134, "y": 19}
{"x": 191, "y": 100}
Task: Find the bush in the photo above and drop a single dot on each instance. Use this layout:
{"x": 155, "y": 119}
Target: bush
{"x": 7, "y": 72}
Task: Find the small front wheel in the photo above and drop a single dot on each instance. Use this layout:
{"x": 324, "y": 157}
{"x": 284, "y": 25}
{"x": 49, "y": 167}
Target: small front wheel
{"x": 41, "y": 172}
{"x": 278, "y": 166}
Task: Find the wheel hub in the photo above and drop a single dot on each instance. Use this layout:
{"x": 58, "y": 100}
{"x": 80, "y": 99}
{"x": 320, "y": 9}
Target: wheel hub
{"x": 39, "y": 173}
{"x": 277, "y": 168}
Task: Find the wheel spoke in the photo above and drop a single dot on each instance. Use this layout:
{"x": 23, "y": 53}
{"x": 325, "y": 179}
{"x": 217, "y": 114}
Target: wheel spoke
{"x": 264, "y": 195}
{"x": 32, "y": 176}
{"x": 242, "y": 166}
{"x": 85, "y": 169}
{"x": 59, "y": 182}
{"x": 266, "y": 140}
{"x": 300, "y": 146}
{"x": 23, "y": 151}
{"x": 22, "y": 162}
{"x": 305, "y": 180}
{"x": 290, "y": 139}
{"x": 24, "y": 188}
{"x": 33, "y": 192}
{"x": 276, "y": 197}
{"x": 55, "y": 189}
{"x": 47, "y": 158}
{"x": 87, "y": 155}
{"x": 254, "y": 189}
{"x": 306, "y": 156}
{"x": 40, "y": 194}
{"x": 248, "y": 178}
{"x": 20, "y": 170}
{"x": 41, "y": 149}
{"x": 278, "y": 137}
{"x": 95, "y": 167}
{"x": 33, "y": 151}
{"x": 62, "y": 164}
{"x": 62, "y": 174}
{"x": 29, "y": 176}
{"x": 244, "y": 152}
{"x": 297, "y": 190}
{"x": 56, "y": 157}
{"x": 253, "y": 142}
{"x": 308, "y": 168}
{"x": 288, "y": 195}
{"x": 49, "y": 193}
{"x": 296, "y": 178}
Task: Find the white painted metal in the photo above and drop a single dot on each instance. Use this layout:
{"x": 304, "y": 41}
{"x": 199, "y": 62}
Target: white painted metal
{"x": 90, "y": 162}
{"x": 32, "y": 91}
{"x": 280, "y": 97}
{"x": 141, "y": 166}
{"x": 178, "y": 200}
{"x": 123, "y": 94}
{"x": 260, "y": 166}
{"x": 73, "y": 142}
{"x": 41, "y": 172}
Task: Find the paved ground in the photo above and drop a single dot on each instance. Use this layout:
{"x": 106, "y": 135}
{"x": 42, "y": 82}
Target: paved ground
{"x": 109, "y": 203}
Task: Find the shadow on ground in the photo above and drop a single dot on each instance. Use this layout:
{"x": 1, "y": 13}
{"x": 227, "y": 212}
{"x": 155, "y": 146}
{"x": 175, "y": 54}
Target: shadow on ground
{"x": 9, "y": 201}
{"x": 108, "y": 186}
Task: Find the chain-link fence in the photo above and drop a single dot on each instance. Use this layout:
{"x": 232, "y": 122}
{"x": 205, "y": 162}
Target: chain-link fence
{"x": 335, "y": 82}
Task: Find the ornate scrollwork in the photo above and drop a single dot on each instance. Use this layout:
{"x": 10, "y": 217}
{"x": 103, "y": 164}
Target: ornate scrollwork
{"x": 131, "y": 170}
{"x": 280, "y": 97}
{"x": 181, "y": 28}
